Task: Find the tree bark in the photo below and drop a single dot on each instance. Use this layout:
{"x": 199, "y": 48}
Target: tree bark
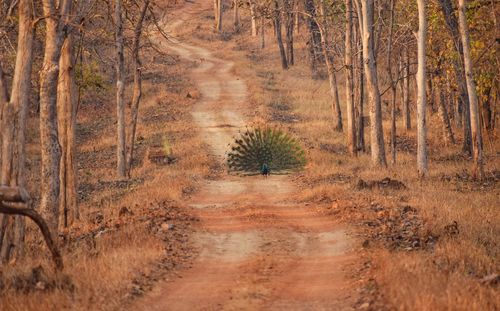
{"x": 406, "y": 92}
{"x": 51, "y": 151}
{"x": 332, "y": 79}
{"x": 66, "y": 115}
{"x": 421, "y": 92}
{"x": 236, "y": 16}
{"x": 314, "y": 46}
{"x": 218, "y": 15}
{"x": 136, "y": 97}
{"x": 376, "y": 130}
{"x": 262, "y": 32}
{"x": 15, "y": 201}
{"x": 120, "y": 90}
{"x": 443, "y": 114}
{"x": 279, "y": 39}
{"x": 477, "y": 148}
{"x": 14, "y": 112}
{"x": 393, "y": 81}
{"x": 452, "y": 25}
{"x": 288, "y": 7}
{"x": 253, "y": 18}
{"x": 360, "y": 94}
{"x": 351, "y": 121}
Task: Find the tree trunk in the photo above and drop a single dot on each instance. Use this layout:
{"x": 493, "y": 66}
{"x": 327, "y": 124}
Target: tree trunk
{"x": 332, "y": 79}
{"x": 136, "y": 97}
{"x": 421, "y": 92}
{"x": 4, "y": 98}
{"x": 443, "y": 114}
{"x": 279, "y": 40}
{"x": 218, "y": 15}
{"x": 393, "y": 81}
{"x": 253, "y": 18}
{"x": 314, "y": 46}
{"x": 66, "y": 115}
{"x": 120, "y": 89}
{"x": 236, "y": 16}
{"x": 262, "y": 32}
{"x": 16, "y": 201}
{"x": 296, "y": 17}
{"x": 49, "y": 74}
{"x": 13, "y": 126}
{"x": 351, "y": 122}
{"x": 360, "y": 94}
{"x": 406, "y": 92}
{"x": 477, "y": 147}
{"x": 376, "y": 130}
{"x": 289, "y": 30}
{"x": 452, "y": 25}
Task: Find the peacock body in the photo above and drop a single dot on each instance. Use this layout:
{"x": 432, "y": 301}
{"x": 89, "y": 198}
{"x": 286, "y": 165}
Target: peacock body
{"x": 265, "y": 150}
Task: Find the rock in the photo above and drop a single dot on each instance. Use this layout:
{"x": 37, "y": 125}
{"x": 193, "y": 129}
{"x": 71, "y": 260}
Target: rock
{"x": 166, "y": 227}
{"x": 364, "y": 306}
{"x": 40, "y": 285}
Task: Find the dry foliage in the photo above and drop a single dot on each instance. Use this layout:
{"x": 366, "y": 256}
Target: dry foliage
{"x": 425, "y": 245}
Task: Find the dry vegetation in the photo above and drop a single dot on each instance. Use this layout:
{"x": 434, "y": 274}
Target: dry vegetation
{"x": 430, "y": 245}
{"x": 135, "y": 231}
{"x": 426, "y": 244}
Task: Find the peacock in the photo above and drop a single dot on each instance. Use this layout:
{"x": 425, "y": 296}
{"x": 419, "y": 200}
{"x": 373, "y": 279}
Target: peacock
{"x": 264, "y": 150}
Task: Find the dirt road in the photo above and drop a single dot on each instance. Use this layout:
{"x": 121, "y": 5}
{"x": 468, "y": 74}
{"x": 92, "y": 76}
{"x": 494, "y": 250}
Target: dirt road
{"x": 258, "y": 250}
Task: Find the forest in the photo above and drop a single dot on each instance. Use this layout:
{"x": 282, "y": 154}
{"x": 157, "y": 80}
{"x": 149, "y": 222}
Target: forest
{"x": 250, "y": 155}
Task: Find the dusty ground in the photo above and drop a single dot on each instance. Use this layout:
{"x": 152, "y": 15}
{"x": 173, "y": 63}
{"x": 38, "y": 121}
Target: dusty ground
{"x": 258, "y": 249}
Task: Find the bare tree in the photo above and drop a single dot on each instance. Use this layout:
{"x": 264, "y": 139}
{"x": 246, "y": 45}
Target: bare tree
{"x": 421, "y": 90}
{"x": 279, "y": 39}
{"x": 393, "y": 81}
{"x": 477, "y": 147}
{"x": 351, "y": 122}
{"x": 14, "y": 111}
{"x": 463, "y": 107}
{"x": 289, "y": 22}
{"x": 136, "y": 97}
{"x": 253, "y": 17}
{"x": 314, "y": 42}
{"x": 218, "y": 15}
{"x": 236, "y": 16}
{"x": 16, "y": 201}
{"x": 332, "y": 78}
{"x": 67, "y": 94}
{"x": 120, "y": 90}
{"x": 405, "y": 85}
{"x": 360, "y": 85}
{"x": 376, "y": 130}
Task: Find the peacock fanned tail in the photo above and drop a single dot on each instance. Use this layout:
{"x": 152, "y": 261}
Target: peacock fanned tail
{"x": 269, "y": 147}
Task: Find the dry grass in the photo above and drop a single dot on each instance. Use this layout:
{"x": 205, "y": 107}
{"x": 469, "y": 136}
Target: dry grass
{"x": 110, "y": 258}
{"x": 444, "y": 276}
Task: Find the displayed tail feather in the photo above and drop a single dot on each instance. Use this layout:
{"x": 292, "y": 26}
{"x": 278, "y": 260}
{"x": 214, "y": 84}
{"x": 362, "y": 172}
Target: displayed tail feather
{"x": 268, "y": 149}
